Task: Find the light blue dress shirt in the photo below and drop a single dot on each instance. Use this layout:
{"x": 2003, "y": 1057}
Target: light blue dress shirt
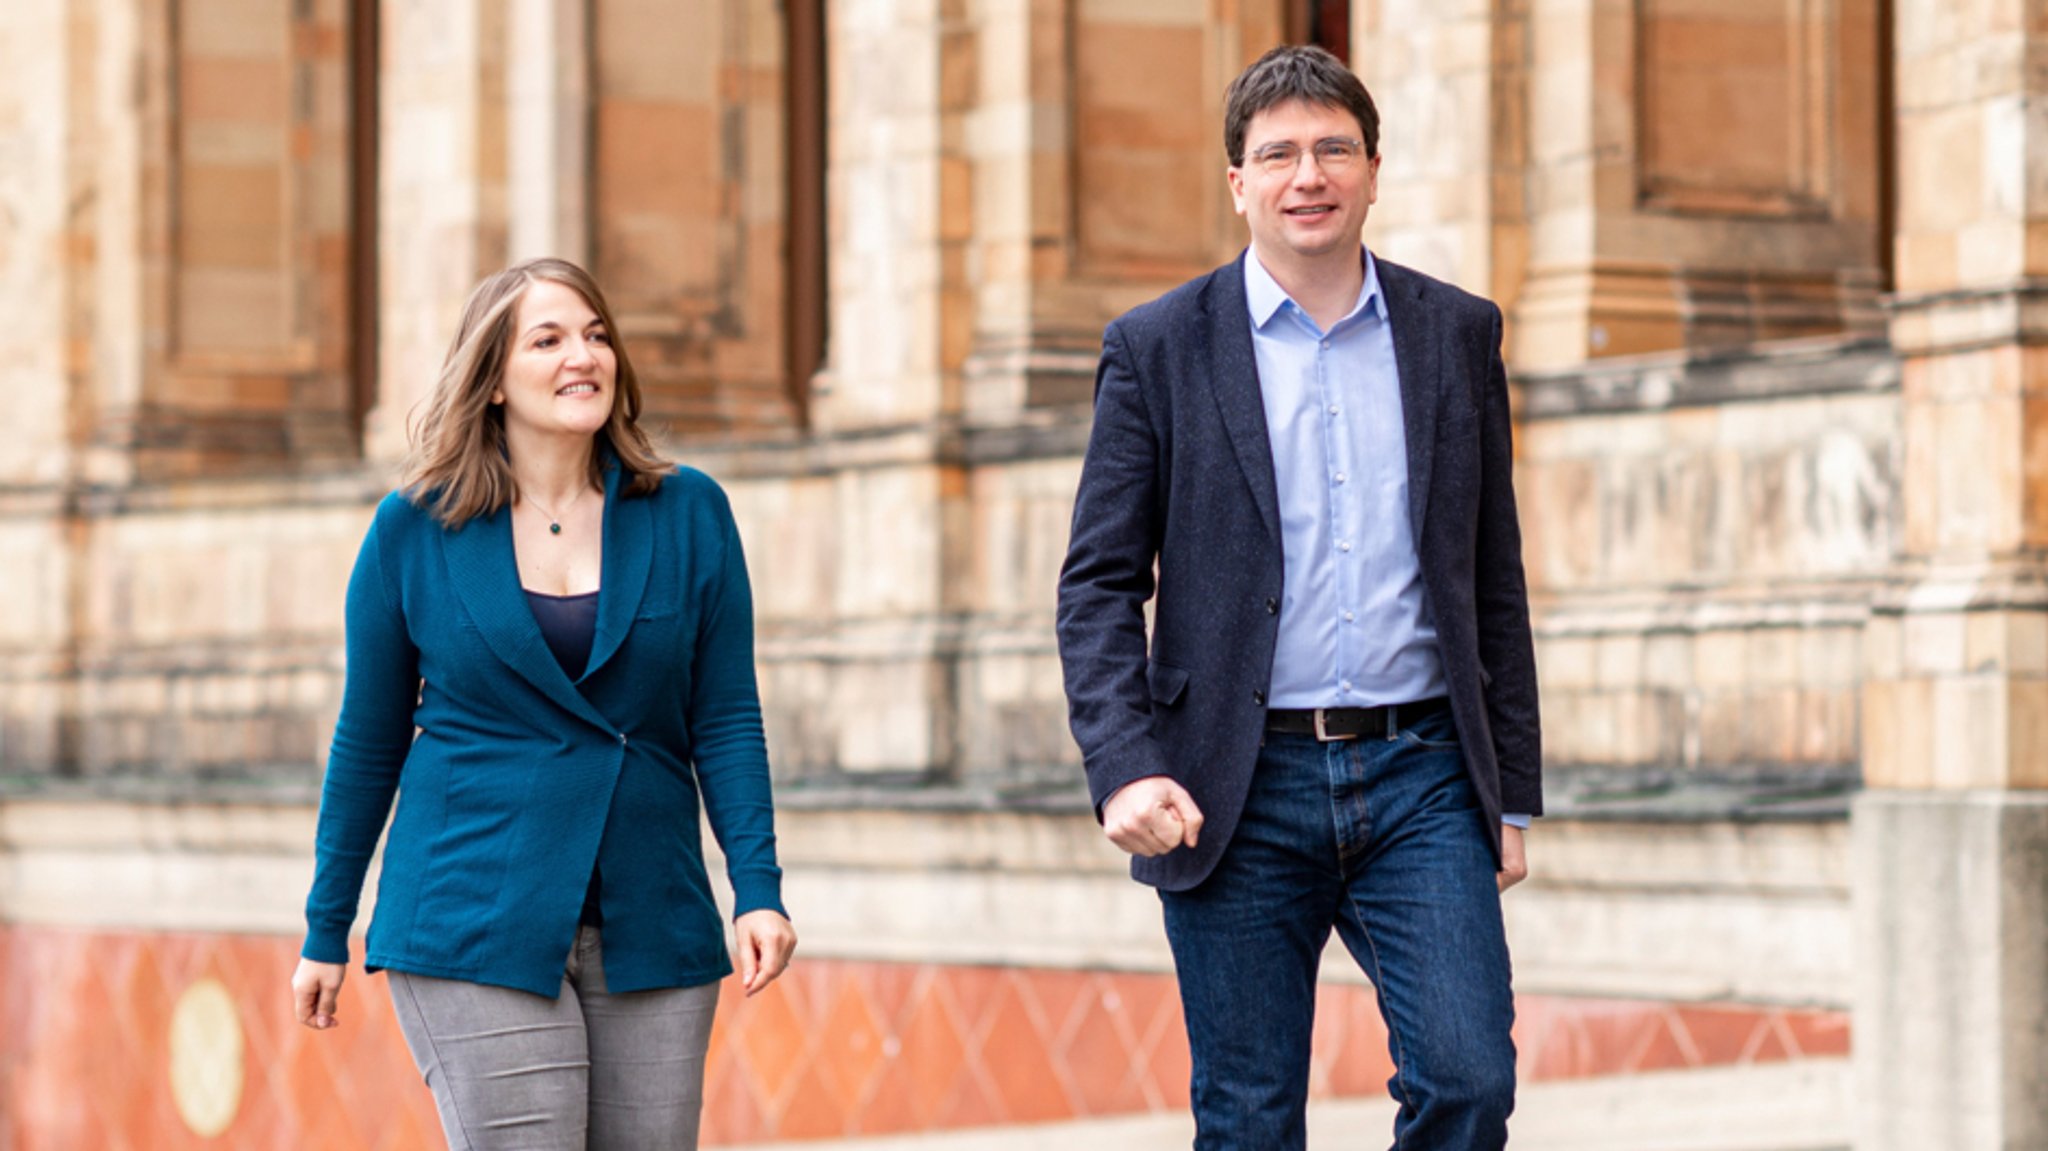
{"x": 1354, "y": 628}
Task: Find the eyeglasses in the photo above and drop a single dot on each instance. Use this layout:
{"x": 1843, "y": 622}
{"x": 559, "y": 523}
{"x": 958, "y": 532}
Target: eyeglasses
{"x": 1332, "y": 153}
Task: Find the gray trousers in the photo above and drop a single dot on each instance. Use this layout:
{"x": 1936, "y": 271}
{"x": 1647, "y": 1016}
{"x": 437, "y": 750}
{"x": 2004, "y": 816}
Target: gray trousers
{"x": 513, "y": 1071}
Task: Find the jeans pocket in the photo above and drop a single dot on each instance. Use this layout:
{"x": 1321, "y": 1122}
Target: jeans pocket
{"x": 1409, "y": 737}
{"x": 1433, "y": 732}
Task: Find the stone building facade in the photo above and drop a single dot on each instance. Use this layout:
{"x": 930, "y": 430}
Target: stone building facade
{"x": 1772, "y": 270}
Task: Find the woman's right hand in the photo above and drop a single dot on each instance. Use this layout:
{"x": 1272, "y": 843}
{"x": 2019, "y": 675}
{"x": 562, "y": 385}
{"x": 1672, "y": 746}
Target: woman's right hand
{"x": 315, "y": 987}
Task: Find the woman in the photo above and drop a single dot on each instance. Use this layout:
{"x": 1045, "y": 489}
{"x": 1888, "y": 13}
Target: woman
{"x": 564, "y": 620}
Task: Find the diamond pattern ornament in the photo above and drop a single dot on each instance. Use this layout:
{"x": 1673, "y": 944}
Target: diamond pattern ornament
{"x": 206, "y": 1058}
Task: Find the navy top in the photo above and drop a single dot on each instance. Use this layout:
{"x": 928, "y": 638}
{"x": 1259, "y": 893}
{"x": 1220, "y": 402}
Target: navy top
{"x": 508, "y": 773}
{"x": 569, "y": 624}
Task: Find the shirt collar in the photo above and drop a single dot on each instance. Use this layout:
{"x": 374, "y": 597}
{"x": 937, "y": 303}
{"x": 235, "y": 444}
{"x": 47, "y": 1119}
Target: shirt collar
{"x": 1265, "y": 297}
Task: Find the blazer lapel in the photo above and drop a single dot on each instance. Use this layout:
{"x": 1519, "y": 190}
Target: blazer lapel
{"x": 628, "y": 553}
{"x": 1234, "y": 379}
{"x": 485, "y": 572}
{"x": 1415, "y": 357}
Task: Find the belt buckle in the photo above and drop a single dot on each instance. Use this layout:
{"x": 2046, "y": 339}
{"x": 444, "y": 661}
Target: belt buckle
{"x": 1323, "y": 731}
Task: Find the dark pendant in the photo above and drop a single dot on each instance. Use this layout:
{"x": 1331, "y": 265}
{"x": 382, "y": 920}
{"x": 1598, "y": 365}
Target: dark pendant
{"x": 555, "y": 529}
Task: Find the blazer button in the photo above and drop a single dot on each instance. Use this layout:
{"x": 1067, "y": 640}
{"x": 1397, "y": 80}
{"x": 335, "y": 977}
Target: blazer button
{"x": 622, "y": 739}
{"x": 1258, "y": 697}
{"x": 1272, "y": 606}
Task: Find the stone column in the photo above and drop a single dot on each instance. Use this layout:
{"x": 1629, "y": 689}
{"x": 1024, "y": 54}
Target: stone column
{"x": 116, "y": 61}
{"x": 870, "y": 656}
{"x": 50, "y": 101}
{"x": 443, "y": 198}
{"x": 887, "y": 172}
{"x": 1031, "y": 347}
{"x": 1951, "y": 835}
{"x": 46, "y": 87}
{"x": 548, "y": 151}
{"x": 1430, "y": 69}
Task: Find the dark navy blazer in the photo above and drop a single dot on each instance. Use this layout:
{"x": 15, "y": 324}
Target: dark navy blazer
{"x": 520, "y": 779}
{"x": 1179, "y": 474}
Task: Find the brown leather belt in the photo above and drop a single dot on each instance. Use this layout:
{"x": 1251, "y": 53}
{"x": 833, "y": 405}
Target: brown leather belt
{"x": 1330, "y": 724}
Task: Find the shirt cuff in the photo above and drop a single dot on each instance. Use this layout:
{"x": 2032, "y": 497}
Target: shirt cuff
{"x": 1520, "y": 822}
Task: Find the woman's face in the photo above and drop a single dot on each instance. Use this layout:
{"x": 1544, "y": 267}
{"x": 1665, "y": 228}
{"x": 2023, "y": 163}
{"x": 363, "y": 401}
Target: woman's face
{"x": 562, "y": 375}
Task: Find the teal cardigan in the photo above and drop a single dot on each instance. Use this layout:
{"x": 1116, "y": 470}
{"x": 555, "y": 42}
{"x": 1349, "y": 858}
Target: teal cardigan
{"x": 512, "y": 780}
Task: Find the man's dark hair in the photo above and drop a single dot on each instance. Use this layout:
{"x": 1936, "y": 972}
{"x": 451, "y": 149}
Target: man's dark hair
{"x": 1296, "y": 72}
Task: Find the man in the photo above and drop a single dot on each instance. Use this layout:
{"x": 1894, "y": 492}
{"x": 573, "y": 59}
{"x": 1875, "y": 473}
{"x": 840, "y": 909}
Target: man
{"x": 1312, "y": 446}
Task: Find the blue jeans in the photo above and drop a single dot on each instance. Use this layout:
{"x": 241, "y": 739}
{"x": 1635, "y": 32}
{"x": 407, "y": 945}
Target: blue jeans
{"x": 1384, "y": 840}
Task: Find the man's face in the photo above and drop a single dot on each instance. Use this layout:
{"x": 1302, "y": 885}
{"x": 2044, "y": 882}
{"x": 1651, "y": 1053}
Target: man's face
{"x": 1309, "y": 209}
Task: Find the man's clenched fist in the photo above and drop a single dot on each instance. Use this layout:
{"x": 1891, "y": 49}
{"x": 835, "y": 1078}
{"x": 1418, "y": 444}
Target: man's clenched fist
{"x": 1151, "y": 816}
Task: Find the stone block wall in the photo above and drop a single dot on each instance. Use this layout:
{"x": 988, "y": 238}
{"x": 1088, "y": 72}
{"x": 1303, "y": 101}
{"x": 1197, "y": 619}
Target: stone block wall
{"x": 1705, "y": 538}
{"x": 1705, "y": 531}
{"x": 164, "y": 642}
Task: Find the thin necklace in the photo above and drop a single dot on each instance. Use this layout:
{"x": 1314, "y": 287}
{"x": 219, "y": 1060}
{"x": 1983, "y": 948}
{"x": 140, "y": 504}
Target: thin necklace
{"x": 555, "y": 521}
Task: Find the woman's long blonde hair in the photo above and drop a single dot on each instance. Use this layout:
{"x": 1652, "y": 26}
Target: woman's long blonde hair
{"x": 457, "y": 468}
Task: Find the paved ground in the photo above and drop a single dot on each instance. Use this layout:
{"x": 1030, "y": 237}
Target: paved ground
{"x": 1800, "y": 1106}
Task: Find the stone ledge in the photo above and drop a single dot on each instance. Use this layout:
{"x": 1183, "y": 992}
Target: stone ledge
{"x": 1056, "y": 431}
{"x": 1051, "y": 790}
{"x": 1659, "y": 382}
{"x": 1049, "y": 432}
{"x": 1660, "y": 793}
{"x": 270, "y": 492}
{"x": 1735, "y": 604}
{"x": 275, "y": 785}
{"x": 1652, "y": 793}
{"x": 1960, "y": 320}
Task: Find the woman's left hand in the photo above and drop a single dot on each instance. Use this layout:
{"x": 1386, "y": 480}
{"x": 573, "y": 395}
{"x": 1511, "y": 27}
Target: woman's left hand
{"x": 765, "y": 940}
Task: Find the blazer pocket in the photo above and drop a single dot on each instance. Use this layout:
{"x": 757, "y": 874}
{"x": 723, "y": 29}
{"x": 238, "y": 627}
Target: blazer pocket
{"x": 1166, "y": 681}
{"x": 662, "y": 609}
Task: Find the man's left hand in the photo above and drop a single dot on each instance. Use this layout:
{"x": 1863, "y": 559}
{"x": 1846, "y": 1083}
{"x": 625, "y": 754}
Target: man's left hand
{"x": 1514, "y": 857}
